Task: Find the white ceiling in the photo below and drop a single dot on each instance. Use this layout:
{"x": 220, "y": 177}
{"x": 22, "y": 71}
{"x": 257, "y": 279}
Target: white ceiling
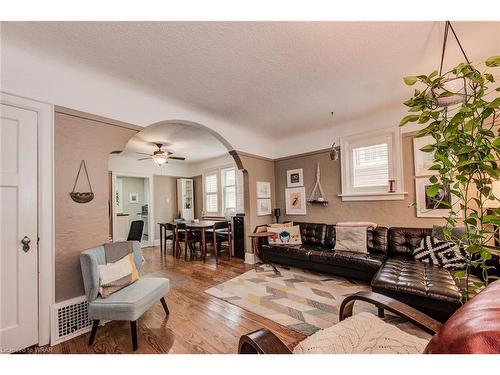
{"x": 277, "y": 79}
{"x": 193, "y": 143}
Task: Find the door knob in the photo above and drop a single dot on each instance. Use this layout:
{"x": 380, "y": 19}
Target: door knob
{"x": 26, "y": 244}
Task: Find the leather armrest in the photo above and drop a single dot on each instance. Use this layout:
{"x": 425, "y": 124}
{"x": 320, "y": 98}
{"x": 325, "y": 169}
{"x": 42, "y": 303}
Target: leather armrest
{"x": 262, "y": 341}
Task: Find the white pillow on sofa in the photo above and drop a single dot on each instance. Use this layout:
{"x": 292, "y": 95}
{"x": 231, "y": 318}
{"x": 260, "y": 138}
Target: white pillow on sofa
{"x": 363, "y": 333}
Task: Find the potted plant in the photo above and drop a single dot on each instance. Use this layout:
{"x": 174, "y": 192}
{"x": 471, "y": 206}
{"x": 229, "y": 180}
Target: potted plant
{"x": 460, "y": 110}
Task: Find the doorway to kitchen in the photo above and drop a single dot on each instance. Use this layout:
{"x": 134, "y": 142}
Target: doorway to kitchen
{"x": 132, "y": 201}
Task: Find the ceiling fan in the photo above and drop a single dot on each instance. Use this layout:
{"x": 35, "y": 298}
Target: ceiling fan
{"x": 159, "y": 156}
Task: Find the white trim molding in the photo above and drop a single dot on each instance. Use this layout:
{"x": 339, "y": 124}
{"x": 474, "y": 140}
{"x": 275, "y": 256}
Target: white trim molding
{"x": 46, "y": 276}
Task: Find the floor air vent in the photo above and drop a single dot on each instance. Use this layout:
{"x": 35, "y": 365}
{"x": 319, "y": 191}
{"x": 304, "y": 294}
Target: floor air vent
{"x": 69, "y": 319}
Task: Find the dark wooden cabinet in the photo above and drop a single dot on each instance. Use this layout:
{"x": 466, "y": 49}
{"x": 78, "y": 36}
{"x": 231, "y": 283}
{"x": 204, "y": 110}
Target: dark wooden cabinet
{"x": 239, "y": 236}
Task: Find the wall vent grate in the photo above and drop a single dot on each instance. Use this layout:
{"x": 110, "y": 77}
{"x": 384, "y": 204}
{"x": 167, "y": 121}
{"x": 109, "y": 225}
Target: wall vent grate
{"x": 70, "y": 319}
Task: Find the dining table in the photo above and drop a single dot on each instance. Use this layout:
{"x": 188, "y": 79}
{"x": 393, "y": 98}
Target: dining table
{"x": 197, "y": 225}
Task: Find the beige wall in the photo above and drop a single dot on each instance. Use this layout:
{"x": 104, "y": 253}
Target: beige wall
{"x": 257, "y": 169}
{"x": 80, "y": 226}
{"x": 385, "y": 213}
{"x": 165, "y": 201}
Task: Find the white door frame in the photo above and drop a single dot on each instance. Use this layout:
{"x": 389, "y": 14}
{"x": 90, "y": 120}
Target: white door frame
{"x": 46, "y": 277}
{"x": 151, "y": 223}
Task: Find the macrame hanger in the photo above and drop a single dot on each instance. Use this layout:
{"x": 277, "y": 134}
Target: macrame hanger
{"x": 78, "y": 175}
{"x": 446, "y": 27}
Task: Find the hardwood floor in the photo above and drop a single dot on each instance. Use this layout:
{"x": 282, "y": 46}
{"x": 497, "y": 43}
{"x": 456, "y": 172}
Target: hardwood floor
{"x": 198, "y": 322}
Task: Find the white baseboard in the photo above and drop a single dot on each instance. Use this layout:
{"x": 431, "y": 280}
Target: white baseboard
{"x": 249, "y": 258}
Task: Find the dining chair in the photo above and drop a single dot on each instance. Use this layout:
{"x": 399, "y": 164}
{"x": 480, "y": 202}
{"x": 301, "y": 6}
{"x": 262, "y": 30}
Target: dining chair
{"x": 135, "y": 231}
{"x": 190, "y": 238}
{"x": 223, "y": 233}
{"x": 169, "y": 231}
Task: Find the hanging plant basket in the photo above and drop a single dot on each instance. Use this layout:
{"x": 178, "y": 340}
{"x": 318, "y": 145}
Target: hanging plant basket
{"x": 82, "y": 197}
{"x": 453, "y": 85}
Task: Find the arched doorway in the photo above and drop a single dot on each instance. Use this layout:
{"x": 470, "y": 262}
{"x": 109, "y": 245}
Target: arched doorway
{"x": 193, "y": 155}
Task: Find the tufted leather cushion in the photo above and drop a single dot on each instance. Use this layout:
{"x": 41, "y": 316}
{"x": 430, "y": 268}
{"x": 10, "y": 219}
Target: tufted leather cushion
{"x": 348, "y": 259}
{"x": 377, "y": 240}
{"x": 330, "y": 237}
{"x": 402, "y": 241}
{"x": 298, "y": 252}
{"x": 312, "y": 233}
{"x": 472, "y": 329}
{"x": 408, "y": 276}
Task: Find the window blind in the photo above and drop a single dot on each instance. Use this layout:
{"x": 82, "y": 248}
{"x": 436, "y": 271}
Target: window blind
{"x": 370, "y": 166}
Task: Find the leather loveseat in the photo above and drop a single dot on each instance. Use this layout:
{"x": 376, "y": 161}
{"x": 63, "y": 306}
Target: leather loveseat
{"x": 389, "y": 265}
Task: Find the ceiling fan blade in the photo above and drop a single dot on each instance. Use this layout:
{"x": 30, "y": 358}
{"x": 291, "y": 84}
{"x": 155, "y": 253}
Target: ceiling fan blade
{"x": 176, "y": 158}
{"x": 144, "y": 159}
{"x": 143, "y": 153}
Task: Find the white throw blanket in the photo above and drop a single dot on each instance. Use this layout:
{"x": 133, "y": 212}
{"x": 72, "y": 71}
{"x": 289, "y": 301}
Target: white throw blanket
{"x": 351, "y": 238}
{"x": 366, "y": 224}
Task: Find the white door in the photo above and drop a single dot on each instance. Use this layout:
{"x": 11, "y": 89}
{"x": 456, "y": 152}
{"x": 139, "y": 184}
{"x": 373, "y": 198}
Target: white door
{"x": 18, "y": 223}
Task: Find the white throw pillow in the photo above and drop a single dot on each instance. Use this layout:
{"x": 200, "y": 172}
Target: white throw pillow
{"x": 117, "y": 275}
{"x": 351, "y": 239}
{"x": 285, "y": 235}
{"x": 363, "y": 333}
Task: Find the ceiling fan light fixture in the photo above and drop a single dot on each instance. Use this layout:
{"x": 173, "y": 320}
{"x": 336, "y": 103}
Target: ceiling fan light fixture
{"x": 160, "y": 159}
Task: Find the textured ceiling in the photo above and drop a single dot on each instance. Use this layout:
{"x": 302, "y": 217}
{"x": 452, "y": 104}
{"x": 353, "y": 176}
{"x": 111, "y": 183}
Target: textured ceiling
{"x": 184, "y": 140}
{"x": 277, "y": 78}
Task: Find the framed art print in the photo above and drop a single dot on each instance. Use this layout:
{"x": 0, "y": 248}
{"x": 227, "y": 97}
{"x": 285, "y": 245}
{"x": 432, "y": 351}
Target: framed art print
{"x": 133, "y": 198}
{"x": 263, "y": 206}
{"x": 433, "y": 206}
{"x": 295, "y": 200}
{"x": 423, "y": 160}
{"x": 263, "y": 189}
{"x": 294, "y": 178}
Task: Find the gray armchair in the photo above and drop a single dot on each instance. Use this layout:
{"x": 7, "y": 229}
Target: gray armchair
{"x": 128, "y": 303}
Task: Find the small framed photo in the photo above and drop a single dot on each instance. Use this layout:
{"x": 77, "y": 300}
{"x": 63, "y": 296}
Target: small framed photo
{"x": 294, "y": 178}
{"x": 133, "y": 198}
{"x": 423, "y": 160}
{"x": 263, "y": 189}
{"x": 433, "y": 206}
{"x": 263, "y": 206}
{"x": 295, "y": 200}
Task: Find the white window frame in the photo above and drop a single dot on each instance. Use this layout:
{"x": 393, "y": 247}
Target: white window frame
{"x": 213, "y": 172}
{"x": 390, "y": 136}
{"x": 224, "y": 186}
{"x": 220, "y": 187}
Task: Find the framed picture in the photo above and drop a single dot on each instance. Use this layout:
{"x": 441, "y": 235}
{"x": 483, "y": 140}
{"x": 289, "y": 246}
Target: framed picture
{"x": 263, "y": 189}
{"x": 431, "y": 206}
{"x": 133, "y": 198}
{"x": 423, "y": 160}
{"x": 295, "y": 199}
{"x": 294, "y": 178}
{"x": 263, "y": 206}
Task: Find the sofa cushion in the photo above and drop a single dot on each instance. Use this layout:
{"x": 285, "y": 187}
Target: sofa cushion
{"x": 312, "y": 233}
{"x": 441, "y": 253}
{"x": 403, "y": 241}
{"x": 409, "y": 276}
{"x": 348, "y": 259}
{"x": 377, "y": 240}
{"x": 299, "y": 252}
{"x": 363, "y": 333}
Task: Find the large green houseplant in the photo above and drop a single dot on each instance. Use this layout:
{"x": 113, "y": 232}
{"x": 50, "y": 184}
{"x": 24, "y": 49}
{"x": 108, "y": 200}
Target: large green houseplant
{"x": 466, "y": 150}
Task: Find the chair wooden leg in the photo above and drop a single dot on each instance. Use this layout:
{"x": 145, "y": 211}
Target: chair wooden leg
{"x": 381, "y": 313}
{"x": 165, "y": 307}
{"x": 95, "y": 324}
{"x": 133, "y": 328}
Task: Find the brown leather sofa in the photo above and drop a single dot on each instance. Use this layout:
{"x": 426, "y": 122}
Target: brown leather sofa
{"x": 316, "y": 252}
{"x": 389, "y": 265}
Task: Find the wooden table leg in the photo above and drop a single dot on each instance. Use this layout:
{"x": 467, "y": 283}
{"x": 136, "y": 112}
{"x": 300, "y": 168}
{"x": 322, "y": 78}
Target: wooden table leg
{"x": 161, "y": 238}
{"x": 229, "y": 240}
{"x": 215, "y": 246}
{"x": 203, "y": 245}
{"x": 185, "y": 244}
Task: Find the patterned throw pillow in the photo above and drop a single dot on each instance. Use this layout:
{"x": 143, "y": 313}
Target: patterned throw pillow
{"x": 117, "y": 275}
{"x": 440, "y": 253}
{"x": 285, "y": 235}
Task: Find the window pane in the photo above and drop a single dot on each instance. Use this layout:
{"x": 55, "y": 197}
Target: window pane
{"x": 211, "y": 183}
{"x": 211, "y": 203}
{"x": 230, "y": 177}
{"x": 370, "y": 166}
{"x": 230, "y": 197}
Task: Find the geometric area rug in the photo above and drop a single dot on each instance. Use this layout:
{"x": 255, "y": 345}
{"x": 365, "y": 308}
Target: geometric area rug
{"x": 297, "y": 299}
{"x": 300, "y": 300}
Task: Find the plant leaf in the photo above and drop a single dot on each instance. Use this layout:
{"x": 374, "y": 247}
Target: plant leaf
{"x": 408, "y": 118}
{"x": 410, "y": 80}
{"x": 493, "y": 61}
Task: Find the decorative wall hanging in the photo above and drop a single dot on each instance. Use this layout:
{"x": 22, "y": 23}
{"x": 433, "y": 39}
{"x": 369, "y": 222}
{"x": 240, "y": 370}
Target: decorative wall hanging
{"x": 334, "y": 152}
{"x": 295, "y": 199}
{"x": 320, "y": 199}
{"x": 295, "y": 178}
{"x": 423, "y": 160}
{"x": 83, "y": 197}
{"x": 433, "y": 206}
{"x": 263, "y": 189}
{"x": 133, "y": 198}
